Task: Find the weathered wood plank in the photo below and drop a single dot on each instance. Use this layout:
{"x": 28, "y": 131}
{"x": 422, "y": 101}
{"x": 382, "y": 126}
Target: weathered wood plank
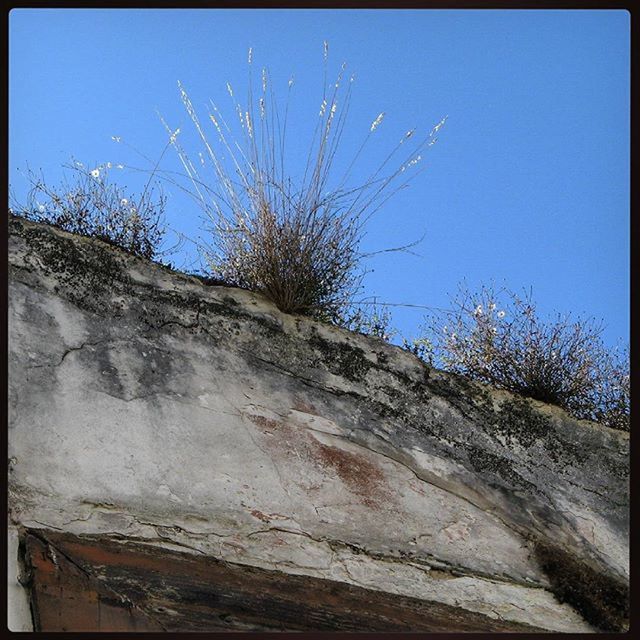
{"x": 93, "y": 583}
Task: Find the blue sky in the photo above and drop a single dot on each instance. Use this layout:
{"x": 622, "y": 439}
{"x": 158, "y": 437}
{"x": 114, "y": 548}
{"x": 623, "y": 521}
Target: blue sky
{"x": 527, "y": 186}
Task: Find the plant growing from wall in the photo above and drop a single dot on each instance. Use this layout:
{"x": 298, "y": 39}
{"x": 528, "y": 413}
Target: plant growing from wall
{"x": 499, "y": 338}
{"x": 295, "y": 239}
{"x": 369, "y": 319}
{"x": 420, "y": 347}
{"x": 90, "y": 204}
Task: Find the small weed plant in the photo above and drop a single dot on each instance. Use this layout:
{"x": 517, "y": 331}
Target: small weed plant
{"x": 369, "y": 319}
{"x": 498, "y": 338}
{"x": 90, "y": 204}
{"x": 292, "y": 235}
{"x": 420, "y": 347}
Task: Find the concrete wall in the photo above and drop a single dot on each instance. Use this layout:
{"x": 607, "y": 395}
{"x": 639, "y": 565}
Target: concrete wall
{"x": 146, "y": 405}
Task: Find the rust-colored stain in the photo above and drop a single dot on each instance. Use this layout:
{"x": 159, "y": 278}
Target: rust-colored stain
{"x": 304, "y": 406}
{"x": 267, "y": 517}
{"x": 96, "y": 583}
{"x": 266, "y": 423}
{"x": 261, "y": 516}
{"x": 363, "y": 478}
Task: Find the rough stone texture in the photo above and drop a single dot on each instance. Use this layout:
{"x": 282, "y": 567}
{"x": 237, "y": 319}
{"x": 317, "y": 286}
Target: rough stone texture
{"x": 146, "y": 406}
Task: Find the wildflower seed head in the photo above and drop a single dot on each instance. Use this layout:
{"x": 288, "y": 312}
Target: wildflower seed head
{"x": 376, "y": 122}
{"x": 95, "y": 173}
{"x": 411, "y": 162}
{"x": 290, "y": 82}
{"x": 250, "y": 55}
{"x": 438, "y": 126}
{"x": 229, "y": 89}
{"x": 501, "y": 314}
{"x": 264, "y": 80}
{"x": 115, "y": 138}
{"x": 407, "y": 135}
{"x": 325, "y": 52}
{"x": 124, "y": 202}
{"x": 478, "y": 310}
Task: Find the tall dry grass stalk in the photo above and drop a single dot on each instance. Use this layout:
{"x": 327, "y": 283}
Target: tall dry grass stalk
{"x": 295, "y": 240}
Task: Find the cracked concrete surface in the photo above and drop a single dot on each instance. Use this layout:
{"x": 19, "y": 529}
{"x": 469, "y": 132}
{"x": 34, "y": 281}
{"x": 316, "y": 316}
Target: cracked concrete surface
{"x": 147, "y": 406}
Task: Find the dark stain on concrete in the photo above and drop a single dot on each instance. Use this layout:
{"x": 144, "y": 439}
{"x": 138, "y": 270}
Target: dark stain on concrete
{"x": 601, "y": 599}
{"x": 341, "y": 358}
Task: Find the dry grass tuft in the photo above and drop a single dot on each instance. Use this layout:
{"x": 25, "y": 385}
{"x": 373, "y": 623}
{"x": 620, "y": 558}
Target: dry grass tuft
{"x": 297, "y": 240}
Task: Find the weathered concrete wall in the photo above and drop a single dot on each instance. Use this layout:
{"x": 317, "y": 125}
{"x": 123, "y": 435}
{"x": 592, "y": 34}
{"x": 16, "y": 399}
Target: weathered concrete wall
{"x": 147, "y": 406}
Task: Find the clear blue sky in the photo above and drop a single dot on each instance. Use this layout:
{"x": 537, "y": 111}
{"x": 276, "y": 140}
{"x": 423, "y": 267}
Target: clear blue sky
{"x": 528, "y": 184}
